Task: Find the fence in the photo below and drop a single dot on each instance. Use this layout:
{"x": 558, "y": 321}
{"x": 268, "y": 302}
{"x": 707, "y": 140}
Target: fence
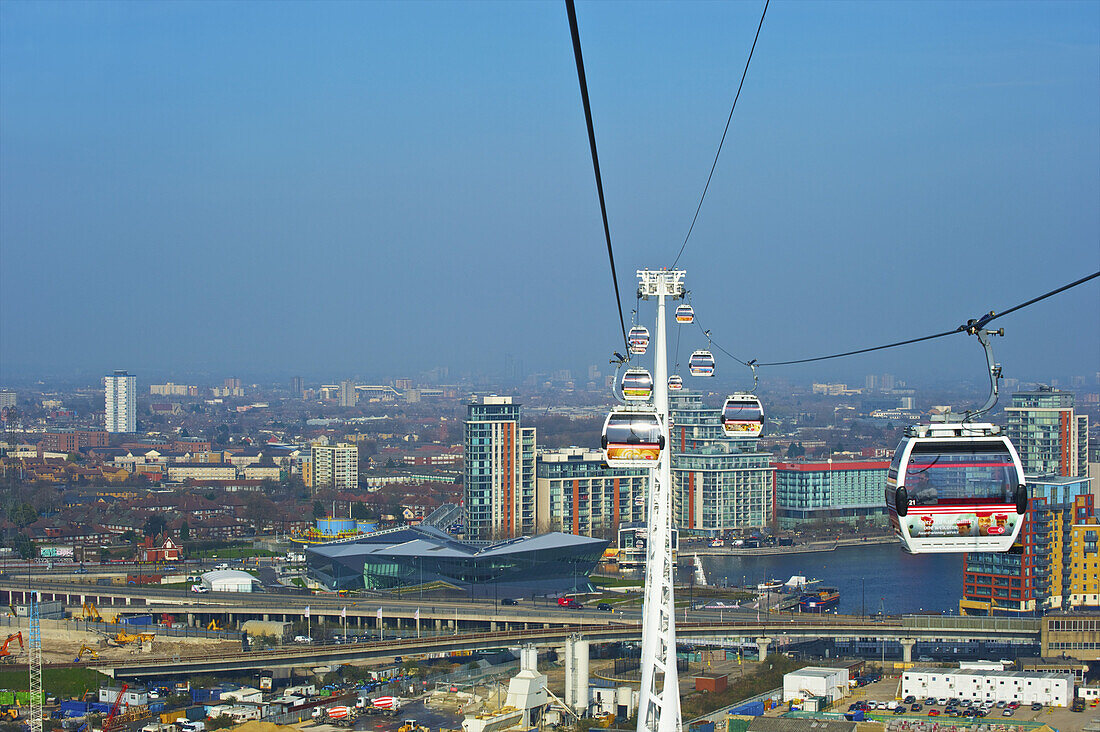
{"x": 92, "y": 626}
{"x": 717, "y": 714}
{"x": 986, "y": 624}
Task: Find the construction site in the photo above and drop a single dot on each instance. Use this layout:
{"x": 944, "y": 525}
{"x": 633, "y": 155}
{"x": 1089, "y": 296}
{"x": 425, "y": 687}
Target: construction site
{"x": 92, "y": 635}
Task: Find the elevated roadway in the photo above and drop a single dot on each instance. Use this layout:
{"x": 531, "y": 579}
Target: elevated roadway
{"x": 906, "y": 631}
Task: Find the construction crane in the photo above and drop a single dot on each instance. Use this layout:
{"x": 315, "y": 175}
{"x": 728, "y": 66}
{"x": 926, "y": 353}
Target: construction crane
{"x": 85, "y": 648}
{"x": 108, "y": 723}
{"x": 5, "y": 654}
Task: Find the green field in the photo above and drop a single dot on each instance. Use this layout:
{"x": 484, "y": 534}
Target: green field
{"x": 62, "y": 682}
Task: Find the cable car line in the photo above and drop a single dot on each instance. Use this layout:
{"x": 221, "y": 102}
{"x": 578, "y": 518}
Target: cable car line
{"x": 970, "y": 327}
{"x": 572, "y": 11}
{"x": 728, "y": 119}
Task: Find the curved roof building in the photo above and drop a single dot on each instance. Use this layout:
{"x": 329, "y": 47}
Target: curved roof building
{"x": 547, "y": 564}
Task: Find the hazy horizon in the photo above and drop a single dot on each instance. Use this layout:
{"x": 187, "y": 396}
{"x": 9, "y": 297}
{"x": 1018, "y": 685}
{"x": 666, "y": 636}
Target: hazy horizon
{"x": 377, "y": 189}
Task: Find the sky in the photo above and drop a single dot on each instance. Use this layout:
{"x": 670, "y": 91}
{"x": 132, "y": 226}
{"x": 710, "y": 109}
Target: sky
{"x": 374, "y": 189}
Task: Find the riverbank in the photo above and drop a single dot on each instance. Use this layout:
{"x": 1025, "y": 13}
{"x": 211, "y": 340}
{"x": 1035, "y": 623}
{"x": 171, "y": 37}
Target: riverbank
{"x": 811, "y": 547}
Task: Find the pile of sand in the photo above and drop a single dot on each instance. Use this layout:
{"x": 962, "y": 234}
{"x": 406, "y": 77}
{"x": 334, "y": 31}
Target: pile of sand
{"x": 255, "y": 726}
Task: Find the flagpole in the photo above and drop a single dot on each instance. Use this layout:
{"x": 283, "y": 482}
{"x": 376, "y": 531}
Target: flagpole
{"x": 344, "y": 615}
{"x": 418, "y": 623}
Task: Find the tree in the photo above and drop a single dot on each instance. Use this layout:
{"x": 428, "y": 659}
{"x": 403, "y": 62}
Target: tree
{"x": 795, "y": 450}
{"x": 318, "y": 509}
{"x": 154, "y": 525}
{"x": 24, "y": 546}
{"x": 185, "y": 531}
{"x": 360, "y": 511}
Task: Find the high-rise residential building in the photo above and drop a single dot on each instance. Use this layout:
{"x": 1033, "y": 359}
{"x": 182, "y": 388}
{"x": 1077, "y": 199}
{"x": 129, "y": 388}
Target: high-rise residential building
{"x": 7, "y": 399}
{"x": 297, "y": 386}
{"x": 1050, "y": 436}
{"x": 830, "y": 490}
{"x": 1041, "y": 576}
{"x": 576, "y": 493}
{"x": 349, "y": 397}
{"x": 499, "y": 457}
{"x": 120, "y": 402}
{"x": 335, "y": 466}
{"x": 718, "y": 482}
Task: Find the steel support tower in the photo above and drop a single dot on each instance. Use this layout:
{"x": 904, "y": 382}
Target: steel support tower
{"x": 659, "y": 705}
{"x": 34, "y": 666}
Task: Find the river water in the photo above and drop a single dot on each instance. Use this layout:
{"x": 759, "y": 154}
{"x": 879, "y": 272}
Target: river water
{"x": 870, "y": 578}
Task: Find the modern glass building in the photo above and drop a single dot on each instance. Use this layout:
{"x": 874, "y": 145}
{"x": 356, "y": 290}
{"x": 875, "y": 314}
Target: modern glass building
{"x": 423, "y": 556}
{"x": 578, "y": 494}
{"x": 1051, "y": 438}
{"x": 499, "y": 457}
{"x": 719, "y": 483}
{"x": 1040, "y": 576}
{"x": 834, "y": 490}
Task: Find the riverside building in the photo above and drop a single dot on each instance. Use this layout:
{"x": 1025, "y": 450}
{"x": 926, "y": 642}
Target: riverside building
{"x": 1041, "y": 576}
{"x": 719, "y": 483}
{"x": 578, "y": 494}
{"x": 833, "y": 490}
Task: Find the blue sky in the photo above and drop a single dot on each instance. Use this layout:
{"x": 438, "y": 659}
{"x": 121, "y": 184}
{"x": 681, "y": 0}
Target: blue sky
{"x": 374, "y": 189}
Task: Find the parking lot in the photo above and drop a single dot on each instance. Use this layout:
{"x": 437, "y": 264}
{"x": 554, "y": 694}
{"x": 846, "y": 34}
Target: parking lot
{"x": 886, "y": 689}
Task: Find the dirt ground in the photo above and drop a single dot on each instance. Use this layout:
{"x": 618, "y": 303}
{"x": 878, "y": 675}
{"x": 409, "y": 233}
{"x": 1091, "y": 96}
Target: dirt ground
{"x": 61, "y": 644}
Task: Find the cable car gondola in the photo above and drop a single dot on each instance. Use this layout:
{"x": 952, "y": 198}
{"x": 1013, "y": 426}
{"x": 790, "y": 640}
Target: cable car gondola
{"x": 632, "y": 438}
{"x": 956, "y": 487}
{"x": 701, "y": 363}
{"x": 675, "y": 382}
{"x": 685, "y": 314}
{"x": 637, "y": 385}
{"x": 742, "y": 415}
{"x": 638, "y": 338}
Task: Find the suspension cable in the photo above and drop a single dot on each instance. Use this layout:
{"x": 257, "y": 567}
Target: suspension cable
{"x": 965, "y": 328}
{"x": 572, "y": 11}
{"x": 727, "y": 129}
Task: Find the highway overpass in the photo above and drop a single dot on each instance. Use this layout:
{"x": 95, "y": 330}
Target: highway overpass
{"x": 907, "y": 631}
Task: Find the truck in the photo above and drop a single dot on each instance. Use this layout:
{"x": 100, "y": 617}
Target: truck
{"x": 570, "y": 602}
{"x": 390, "y": 705}
{"x": 190, "y": 726}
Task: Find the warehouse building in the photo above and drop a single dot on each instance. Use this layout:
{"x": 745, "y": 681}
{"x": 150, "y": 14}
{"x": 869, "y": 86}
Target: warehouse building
{"x": 1024, "y": 687}
{"x": 815, "y": 681}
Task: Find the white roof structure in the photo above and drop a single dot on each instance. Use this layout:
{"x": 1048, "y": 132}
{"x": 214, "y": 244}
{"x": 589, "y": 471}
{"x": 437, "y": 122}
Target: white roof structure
{"x": 228, "y": 580}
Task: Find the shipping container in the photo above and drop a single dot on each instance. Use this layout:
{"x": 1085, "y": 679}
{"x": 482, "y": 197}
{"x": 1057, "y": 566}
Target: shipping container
{"x": 138, "y": 620}
{"x": 703, "y": 726}
{"x": 201, "y": 696}
{"x": 172, "y": 716}
{"x": 752, "y": 709}
{"x": 195, "y": 714}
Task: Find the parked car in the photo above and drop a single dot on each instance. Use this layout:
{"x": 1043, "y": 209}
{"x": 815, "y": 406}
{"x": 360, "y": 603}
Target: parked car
{"x": 302, "y": 639}
{"x": 933, "y": 712}
{"x": 915, "y": 708}
{"x": 909, "y": 699}
{"x": 899, "y": 710}
{"x": 1036, "y": 707}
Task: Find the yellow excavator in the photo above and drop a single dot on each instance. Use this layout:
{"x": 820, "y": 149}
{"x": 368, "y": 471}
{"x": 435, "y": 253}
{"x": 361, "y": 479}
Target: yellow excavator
{"x": 213, "y": 625}
{"x": 90, "y": 612}
{"x": 122, "y": 637}
{"x": 86, "y": 649}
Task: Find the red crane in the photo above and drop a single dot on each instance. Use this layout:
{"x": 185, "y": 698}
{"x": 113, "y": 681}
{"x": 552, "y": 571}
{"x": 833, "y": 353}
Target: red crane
{"x": 108, "y": 723}
{"x": 4, "y": 652}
